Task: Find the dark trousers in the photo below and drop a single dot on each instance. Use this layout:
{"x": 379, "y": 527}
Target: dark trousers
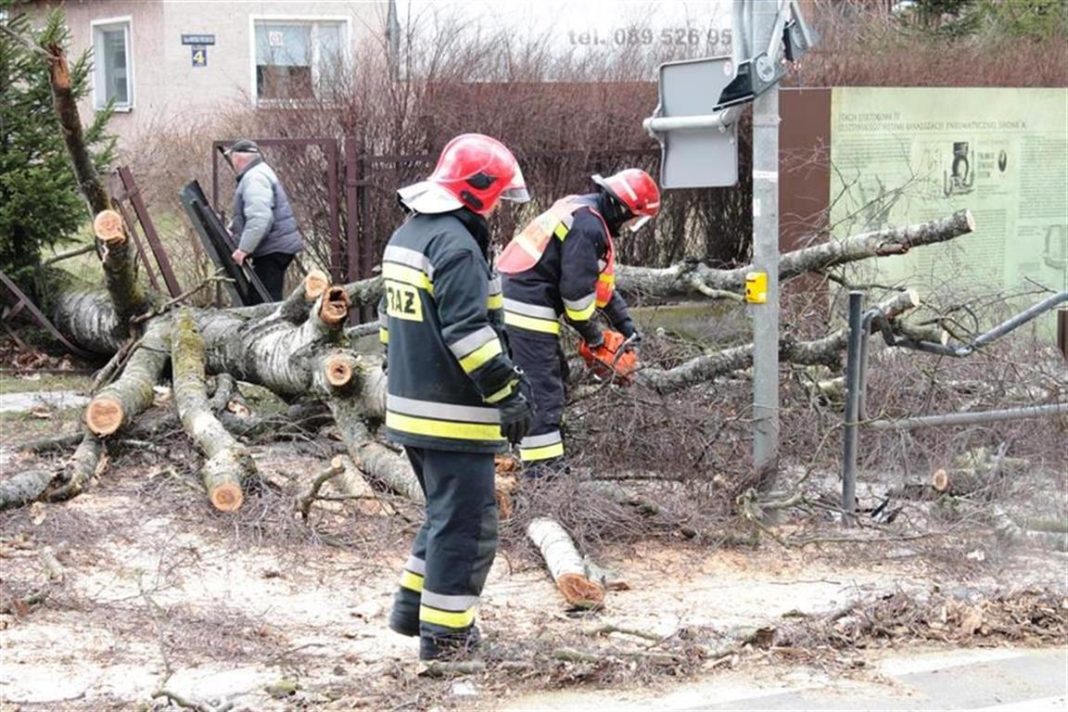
{"x": 271, "y": 269}
{"x": 451, "y": 557}
{"x": 542, "y": 358}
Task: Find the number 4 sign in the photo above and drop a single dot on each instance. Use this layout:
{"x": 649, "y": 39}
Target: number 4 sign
{"x": 200, "y": 56}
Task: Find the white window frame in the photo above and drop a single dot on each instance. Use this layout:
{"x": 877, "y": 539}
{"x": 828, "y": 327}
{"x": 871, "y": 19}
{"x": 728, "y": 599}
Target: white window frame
{"x": 99, "y": 101}
{"x": 346, "y": 47}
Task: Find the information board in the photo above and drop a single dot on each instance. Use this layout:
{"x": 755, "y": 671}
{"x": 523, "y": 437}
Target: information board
{"x": 906, "y": 155}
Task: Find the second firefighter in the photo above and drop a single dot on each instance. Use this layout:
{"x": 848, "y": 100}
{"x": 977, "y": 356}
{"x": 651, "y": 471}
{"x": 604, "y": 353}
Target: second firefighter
{"x": 563, "y": 264}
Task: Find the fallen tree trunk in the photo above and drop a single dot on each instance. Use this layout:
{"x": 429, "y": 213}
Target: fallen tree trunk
{"x": 229, "y": 464}
{"x": 825, "y": 351}
{"x": 565, "y": 563}
{"x": 696, "y": 279}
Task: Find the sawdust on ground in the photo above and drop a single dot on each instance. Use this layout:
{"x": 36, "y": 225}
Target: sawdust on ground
{"x": 156, "y": 585}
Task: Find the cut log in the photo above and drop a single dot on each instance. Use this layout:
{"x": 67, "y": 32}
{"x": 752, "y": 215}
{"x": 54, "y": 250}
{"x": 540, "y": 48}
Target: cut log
{"x": 565, "y": 564}
{"x": 228, "y": 462}
{"x": 1045, "y": 534}
{"x": 339, "y": 369}
{"x": 294, "y": 308}
{"x": 117, "y": 404}
{"x": 108, "y": 227}
{"x": 52, "y": 443}
{"x": 377, "y": 461}
{"x": 334, "y": 306}
{"x": 225, "y": 388}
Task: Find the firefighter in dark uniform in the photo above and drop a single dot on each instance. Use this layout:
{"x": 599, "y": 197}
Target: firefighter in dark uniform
{"x": 563, "y": 264}
{"x": 454, "y": 398}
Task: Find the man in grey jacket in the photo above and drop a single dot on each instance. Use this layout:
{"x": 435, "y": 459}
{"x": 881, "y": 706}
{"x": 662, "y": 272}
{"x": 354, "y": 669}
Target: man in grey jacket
{"x": 263, "y": 219}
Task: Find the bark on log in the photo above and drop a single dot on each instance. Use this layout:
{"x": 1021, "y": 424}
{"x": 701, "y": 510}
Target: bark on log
{"x": 294, "y": 308}
{"x": 1007, "y": 527}
{"x": 24, "y": 487}
{"x": 87, "y": 462}
{"x": 825, "y": 351}
{"x": 88, "y": 320}
{"x": 52, "y": 443}
{"x": 364, "y": 293}
{"x": 692, "y": 279}
{"x": 565, "y": 563}
{"x": 66, "y": 107}
{"x": 120, "y": 277}
{"x": 376, "y": 460}
{"x": 228, "y": 463}
{"x": 119, "y": 403}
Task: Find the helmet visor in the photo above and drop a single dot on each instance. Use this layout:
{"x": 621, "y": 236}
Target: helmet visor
{"x": 635, "y": 224}
{"x": 517, "y": 188}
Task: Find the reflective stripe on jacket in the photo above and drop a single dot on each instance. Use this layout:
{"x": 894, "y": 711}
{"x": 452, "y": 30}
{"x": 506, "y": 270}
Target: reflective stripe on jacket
{"x": 448, "y": 364}
{"x": 572, "y": 276}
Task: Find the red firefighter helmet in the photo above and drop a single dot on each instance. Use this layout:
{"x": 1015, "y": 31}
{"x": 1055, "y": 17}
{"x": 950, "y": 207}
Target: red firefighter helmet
{"x": 473, "y": 171}
{"x": 636, "y": 191}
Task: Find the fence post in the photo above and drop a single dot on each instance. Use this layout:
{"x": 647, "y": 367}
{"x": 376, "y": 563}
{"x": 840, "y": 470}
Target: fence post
{"x": 852, "y": 405}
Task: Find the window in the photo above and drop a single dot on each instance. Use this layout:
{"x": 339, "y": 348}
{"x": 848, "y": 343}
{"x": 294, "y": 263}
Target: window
{"x": 112, "y": 65}
{"x": 296, "y": 59}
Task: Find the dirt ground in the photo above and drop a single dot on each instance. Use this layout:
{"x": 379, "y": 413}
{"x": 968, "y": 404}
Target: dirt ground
{"x": 265, "y": 613}
{"x": 138, "y": 586}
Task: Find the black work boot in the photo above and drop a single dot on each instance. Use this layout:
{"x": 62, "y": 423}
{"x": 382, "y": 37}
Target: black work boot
{"x": 404, "y": 618}
{"x": 462, "y": 645}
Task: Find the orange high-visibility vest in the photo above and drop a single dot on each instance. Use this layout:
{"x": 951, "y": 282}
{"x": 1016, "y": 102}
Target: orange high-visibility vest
{"x": 526, "y": 248}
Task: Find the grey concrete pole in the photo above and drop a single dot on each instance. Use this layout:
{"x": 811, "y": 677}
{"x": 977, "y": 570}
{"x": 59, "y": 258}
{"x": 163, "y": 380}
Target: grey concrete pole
{"x": 766, "y": 257}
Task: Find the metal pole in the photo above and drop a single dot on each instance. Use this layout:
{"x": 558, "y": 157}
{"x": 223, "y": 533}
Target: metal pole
{"x": 984, "y": 416}
{"x": 852, "y": 404}
{"x": 766, "y": 258}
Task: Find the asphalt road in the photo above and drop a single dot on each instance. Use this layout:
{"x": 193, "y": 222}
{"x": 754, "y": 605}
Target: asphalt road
{"x": 987, "y": 679}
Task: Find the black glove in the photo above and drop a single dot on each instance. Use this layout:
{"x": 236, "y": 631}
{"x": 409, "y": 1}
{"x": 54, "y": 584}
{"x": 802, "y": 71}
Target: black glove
{"x": 590, "y": 333}
{"x": 517, "y": 411}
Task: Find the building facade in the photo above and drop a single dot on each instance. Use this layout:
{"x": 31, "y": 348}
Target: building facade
{"x": 167, "y": 61}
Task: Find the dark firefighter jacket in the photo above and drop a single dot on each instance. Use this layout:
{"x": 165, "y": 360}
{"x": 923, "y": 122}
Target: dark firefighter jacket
{"x": 441, "y": 321}
{"x": 564, "y": 282}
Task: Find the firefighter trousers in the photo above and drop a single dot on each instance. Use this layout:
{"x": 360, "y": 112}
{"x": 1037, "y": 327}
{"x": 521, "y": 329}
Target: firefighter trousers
{"x": 542, "y": 358}
{"x": 453, "y": 550}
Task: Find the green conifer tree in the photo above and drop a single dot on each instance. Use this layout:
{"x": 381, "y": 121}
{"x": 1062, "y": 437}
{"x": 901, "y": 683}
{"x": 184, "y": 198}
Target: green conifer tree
{"x": 40, "y": 204}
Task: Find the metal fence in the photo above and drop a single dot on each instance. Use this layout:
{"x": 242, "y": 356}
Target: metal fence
{"x": 345, "y": 200}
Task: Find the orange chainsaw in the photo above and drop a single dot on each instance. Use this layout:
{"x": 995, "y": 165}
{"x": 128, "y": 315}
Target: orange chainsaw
{"x": 612, "y": 359}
